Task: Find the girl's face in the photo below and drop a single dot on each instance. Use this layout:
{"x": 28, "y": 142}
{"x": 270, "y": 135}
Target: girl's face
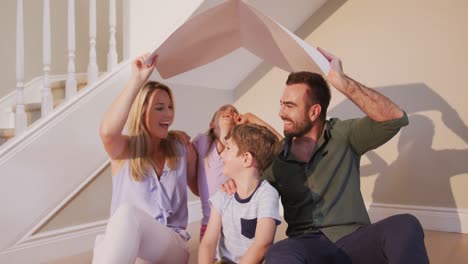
{"x": 225, "y": 117}
{"x": 159, "y": 114}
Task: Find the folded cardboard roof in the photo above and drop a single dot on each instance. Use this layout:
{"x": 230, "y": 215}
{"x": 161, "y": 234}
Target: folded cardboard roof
{"x": 228, "y": 26}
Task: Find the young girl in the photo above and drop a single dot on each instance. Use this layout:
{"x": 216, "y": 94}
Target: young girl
{"x": 150, "y": 175}
{"x": 210, "y": 165}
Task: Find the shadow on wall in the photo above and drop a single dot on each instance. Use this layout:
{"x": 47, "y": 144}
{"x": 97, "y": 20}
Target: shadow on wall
{"x": 420, "y": 175}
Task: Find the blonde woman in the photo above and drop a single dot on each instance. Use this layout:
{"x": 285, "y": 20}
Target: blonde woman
{"x": 150, "y": 174}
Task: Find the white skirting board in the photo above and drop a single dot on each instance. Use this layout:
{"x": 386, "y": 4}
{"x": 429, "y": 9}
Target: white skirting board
{"x": 69, "y": 241}
{"x": 74, "y": 240}
{"x": 431, "y": 218}
{"x": 55, "y": 244}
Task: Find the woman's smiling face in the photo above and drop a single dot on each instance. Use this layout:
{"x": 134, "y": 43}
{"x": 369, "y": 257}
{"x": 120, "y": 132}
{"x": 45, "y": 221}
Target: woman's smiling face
{"x": 159, "y": 114}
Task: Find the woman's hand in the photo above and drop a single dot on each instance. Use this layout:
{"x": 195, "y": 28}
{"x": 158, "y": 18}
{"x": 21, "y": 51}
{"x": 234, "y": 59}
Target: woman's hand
{"x": 142, "y": 71}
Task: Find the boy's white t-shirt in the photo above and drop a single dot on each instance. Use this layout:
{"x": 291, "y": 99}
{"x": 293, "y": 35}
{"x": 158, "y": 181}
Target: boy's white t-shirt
{"x": 239, "y": 218}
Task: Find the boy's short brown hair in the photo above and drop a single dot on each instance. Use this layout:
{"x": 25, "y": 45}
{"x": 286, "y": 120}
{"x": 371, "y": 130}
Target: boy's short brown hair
{"x": 257, "y": 140}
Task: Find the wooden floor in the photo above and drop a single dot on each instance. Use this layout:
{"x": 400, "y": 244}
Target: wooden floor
{"x": 442, "y": 247}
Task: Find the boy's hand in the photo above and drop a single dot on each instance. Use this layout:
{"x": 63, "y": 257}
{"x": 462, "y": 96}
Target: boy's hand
{"x": 229, "y": 187}
{"x": 180, "y": 136}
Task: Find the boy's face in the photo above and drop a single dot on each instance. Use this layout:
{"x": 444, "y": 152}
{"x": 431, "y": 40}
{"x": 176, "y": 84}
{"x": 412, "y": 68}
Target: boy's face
{"x": 233, "y": 162}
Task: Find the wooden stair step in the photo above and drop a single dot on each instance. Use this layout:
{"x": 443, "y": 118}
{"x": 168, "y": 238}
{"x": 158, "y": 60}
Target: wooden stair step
{"x": 61, "y": 84}
{"x": 7, "y": 132}
{"x": 31, "y": 107}
{"x": 33, "y": 110}
{"x": 58, "y": 89}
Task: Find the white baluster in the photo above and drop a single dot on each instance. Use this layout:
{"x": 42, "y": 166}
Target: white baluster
{"x": 46, "y": 100}
{"x": 112, "y": 55}
{"x": 70, "y": 89}
{"x": 92, "y": 66}
{"x": 20, "y": 117}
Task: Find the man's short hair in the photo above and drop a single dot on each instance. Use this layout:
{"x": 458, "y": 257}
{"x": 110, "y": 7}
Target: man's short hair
{"x": 257, "y": 140}
{"x": 318, "y": 92}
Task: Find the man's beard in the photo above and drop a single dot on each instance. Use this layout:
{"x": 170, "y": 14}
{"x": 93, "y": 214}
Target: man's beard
{"x": 299, "y": 128}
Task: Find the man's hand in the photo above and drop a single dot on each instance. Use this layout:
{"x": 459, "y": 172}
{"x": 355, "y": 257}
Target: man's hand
{"x": 249, "y": 118}
{"x": 378, "y": 107}
{"x": 243, "y": 118}
{"x": 229, "y": 187}
{"x": 336, "y": 76}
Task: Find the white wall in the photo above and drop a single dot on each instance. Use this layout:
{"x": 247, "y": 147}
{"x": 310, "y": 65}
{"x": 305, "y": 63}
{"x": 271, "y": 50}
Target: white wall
{"x": 90, "y": 205}
{"x": 33, "y": 38}
{"x": 414, "y": 52}
{"x": 140, "y": 27}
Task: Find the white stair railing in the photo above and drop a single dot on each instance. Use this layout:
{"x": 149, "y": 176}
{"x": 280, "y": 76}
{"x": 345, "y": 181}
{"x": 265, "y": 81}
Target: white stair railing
{"x": 71, "y": 84}
{"x": 20, "y": 117}
{"x": 112, "y": 55}
{"x": 70, "y": 89}
{"x": 46, "y": 94}
{"x": 92, "y": 66}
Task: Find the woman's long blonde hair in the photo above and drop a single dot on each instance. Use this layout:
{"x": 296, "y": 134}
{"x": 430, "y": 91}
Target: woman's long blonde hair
{"x": 140, "y": 144}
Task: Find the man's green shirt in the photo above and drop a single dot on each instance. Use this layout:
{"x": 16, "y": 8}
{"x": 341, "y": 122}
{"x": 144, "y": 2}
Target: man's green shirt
{"x": 324, "y": 194}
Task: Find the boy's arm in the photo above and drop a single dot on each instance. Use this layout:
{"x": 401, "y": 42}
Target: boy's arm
{"x": 207, "y": 250}
{"x": 264, "y": 236}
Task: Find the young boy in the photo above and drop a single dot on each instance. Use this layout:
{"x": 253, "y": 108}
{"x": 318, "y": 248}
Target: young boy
{"x": 245, "y": 222}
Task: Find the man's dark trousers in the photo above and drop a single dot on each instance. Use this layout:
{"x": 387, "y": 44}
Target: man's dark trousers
{"x": 397, "y": 239}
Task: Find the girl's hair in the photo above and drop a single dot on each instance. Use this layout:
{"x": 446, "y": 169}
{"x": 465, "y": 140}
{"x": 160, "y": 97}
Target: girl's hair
{"x": 140, "y": 144}
{"x": 211, "y": 133}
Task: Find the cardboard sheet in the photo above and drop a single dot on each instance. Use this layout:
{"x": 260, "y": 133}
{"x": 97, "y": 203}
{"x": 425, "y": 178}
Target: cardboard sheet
{"x": 232, "y": 24}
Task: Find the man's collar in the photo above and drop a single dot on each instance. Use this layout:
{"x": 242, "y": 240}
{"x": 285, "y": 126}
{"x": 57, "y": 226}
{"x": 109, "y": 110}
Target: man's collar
{"x": 326, "y": 135}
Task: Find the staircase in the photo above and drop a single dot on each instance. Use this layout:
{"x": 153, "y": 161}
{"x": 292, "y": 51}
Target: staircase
{"x": 33, "y": 109}
{"x": 52, "y": 160}
{"x": 48, "y": 155}
{"x": 6, "y": 134}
